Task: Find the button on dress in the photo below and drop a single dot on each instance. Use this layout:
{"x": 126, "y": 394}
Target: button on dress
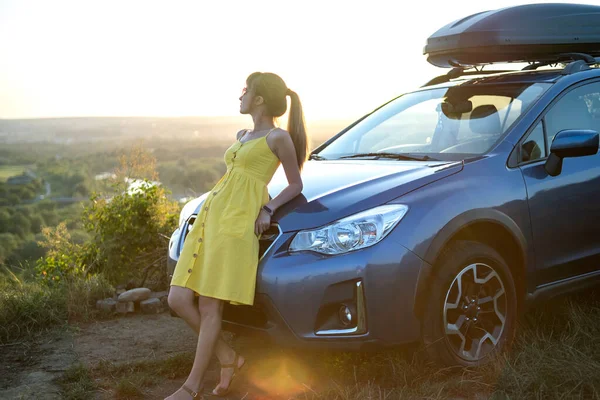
{"x": 220, "y": 253}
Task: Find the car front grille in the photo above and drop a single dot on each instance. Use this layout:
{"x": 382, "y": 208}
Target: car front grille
{"x": 266, "y": 241}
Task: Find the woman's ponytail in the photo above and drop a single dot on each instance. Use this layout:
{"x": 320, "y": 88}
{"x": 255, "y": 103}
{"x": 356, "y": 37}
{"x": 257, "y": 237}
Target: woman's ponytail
{"x": 274, "y": 91}
{"x": 297, "y": 128}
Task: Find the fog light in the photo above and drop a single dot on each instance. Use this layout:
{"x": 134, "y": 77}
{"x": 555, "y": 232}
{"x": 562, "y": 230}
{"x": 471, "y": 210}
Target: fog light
{"x": 345, "y": 315}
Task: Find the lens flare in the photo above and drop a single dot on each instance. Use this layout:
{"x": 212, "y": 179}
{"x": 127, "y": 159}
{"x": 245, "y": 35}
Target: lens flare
{"x": 279, "y": 377}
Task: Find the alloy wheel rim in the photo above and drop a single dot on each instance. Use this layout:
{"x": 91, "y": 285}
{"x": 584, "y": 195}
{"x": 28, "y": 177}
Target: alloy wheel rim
{"x": 475, "y": 311}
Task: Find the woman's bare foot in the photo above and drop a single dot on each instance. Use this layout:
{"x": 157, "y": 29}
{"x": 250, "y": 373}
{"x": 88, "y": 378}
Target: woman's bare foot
{"x": 228, "y": 371}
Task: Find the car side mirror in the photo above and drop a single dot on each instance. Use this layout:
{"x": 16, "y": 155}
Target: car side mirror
{"x": 570, "y": 143}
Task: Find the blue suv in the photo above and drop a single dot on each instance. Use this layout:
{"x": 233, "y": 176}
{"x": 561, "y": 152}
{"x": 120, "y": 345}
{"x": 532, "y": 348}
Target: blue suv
{"x": 438, "y": 217}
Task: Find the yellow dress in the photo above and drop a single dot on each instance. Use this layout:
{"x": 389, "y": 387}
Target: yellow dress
{"x": 219, "y": 257}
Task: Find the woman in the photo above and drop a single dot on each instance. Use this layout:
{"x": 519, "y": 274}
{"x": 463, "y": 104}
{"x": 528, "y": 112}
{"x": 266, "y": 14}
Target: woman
{"x": 220, "y": 254}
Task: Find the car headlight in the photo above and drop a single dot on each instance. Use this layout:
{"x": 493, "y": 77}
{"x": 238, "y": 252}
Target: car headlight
{"x": 351, "y": 233}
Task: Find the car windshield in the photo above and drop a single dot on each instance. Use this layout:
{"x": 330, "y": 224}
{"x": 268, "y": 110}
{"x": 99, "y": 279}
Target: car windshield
{"x": 440, "y": 124}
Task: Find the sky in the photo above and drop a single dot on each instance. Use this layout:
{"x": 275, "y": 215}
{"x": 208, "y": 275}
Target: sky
{"x": 65, "y": 58}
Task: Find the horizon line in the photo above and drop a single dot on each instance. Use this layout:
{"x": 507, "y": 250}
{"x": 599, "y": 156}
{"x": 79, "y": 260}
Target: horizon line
{"x": 158, "y": 117}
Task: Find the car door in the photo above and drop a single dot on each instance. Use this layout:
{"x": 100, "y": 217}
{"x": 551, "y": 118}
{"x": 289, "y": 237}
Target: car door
{"x": 564, "y": 209}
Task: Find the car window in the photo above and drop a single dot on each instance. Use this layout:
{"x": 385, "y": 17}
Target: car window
{"x": 415, "y": 124}
{"x": 448, "y": 123}
{"x": 533, "y": 147}
{"x": 578, "y": 109}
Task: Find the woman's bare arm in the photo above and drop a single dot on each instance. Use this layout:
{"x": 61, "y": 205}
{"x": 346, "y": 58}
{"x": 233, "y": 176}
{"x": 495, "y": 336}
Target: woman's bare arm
{"x": 283, "y": 147}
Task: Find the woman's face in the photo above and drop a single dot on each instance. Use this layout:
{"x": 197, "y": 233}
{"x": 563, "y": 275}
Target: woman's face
{"x": 245, "y": 101}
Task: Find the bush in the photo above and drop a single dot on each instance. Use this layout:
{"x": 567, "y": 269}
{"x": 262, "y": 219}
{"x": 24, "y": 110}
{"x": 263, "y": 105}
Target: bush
{"x": 64, "y": 259}
{"x": 130, "y": 233}
{"x": 130, "y": 229}
{"x": 30, "y": 308}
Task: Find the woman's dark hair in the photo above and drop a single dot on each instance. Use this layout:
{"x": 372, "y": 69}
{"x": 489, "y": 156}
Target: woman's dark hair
{"x": 274, "y": 91}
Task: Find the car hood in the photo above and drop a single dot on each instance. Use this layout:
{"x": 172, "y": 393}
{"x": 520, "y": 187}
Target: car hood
{"x": 333, "y": 189}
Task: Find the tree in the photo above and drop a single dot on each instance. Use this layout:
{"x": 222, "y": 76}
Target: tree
{"x": 8, "y": 243}
{"x": 80, "y": 190}
{"x": 4, "y": 220}
{"x": 28, "y": 250}
{"x": 19, "y": 225}
{"x": 36, "y": 223}
{"x": 50, "y": 218}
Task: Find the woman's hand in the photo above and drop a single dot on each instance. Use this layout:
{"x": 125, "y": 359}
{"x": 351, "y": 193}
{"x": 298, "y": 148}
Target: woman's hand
{"x": 262, "y": 223}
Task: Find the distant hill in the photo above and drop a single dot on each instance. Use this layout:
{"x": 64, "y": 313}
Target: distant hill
{"x": 98, "y": 129}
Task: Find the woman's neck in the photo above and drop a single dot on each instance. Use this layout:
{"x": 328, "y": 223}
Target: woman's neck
{"x": 262, "y": 123}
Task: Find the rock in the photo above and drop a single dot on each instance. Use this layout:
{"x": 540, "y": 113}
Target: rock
{"x": 151, "y": 306}
{"x": 106, "y": 305}
{"x": 159, "y": 295}
{"x": 125, "y": 307}
{"x": 137, "y": 294}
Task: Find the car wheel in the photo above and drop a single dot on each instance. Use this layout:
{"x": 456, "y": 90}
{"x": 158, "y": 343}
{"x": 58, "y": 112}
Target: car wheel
{"x": 472, "y": 307}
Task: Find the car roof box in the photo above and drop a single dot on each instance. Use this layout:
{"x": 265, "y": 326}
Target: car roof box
{"x": 526, "y": 33}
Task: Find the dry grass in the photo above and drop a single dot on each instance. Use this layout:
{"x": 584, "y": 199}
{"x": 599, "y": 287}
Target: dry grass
{"x": 556, "y": 356}
{"x": 31, "y": 308}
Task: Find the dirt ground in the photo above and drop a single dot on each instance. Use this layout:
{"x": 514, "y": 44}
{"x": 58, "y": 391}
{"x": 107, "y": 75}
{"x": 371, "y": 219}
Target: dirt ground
{"x": 29, "y": 370}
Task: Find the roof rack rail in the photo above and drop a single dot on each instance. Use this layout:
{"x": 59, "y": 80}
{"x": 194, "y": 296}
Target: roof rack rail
{"x": 575, "y": 66}
{"x": 577, "y": 62}
{"x": 582, "y": 61}
{"x": 461, "y": 71}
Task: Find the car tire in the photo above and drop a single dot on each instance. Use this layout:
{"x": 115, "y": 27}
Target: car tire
{"x": 471, "y": 313}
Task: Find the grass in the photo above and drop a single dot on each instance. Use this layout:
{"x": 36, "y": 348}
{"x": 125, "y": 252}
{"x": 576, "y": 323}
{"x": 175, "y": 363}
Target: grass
{"x": 6, "y": 171}
{"x": 128, "y": 380}
{"x": 28, "y": 309}
{"x": 556, "y": 356}
{"x": 32, "y": 308}
{"x": 171, "y": 368}
{"x": 77, "y": 384}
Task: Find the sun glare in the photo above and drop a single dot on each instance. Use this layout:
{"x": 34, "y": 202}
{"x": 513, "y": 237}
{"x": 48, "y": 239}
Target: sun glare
{"x": 279, "y": 377}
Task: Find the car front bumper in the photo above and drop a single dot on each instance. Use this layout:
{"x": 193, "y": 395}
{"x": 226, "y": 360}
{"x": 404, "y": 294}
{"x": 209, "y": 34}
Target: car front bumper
{"x": 299, "y": 296}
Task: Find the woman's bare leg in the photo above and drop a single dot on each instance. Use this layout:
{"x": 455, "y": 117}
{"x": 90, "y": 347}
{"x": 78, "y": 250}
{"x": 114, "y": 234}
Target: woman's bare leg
{"x": 211, "y": 311}
{"x": 181, "y": 300}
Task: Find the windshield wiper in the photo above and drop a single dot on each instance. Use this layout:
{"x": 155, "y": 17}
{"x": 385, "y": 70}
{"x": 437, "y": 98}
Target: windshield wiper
{"x": 395, "y": 156}
{"x": 316, "y": 157}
